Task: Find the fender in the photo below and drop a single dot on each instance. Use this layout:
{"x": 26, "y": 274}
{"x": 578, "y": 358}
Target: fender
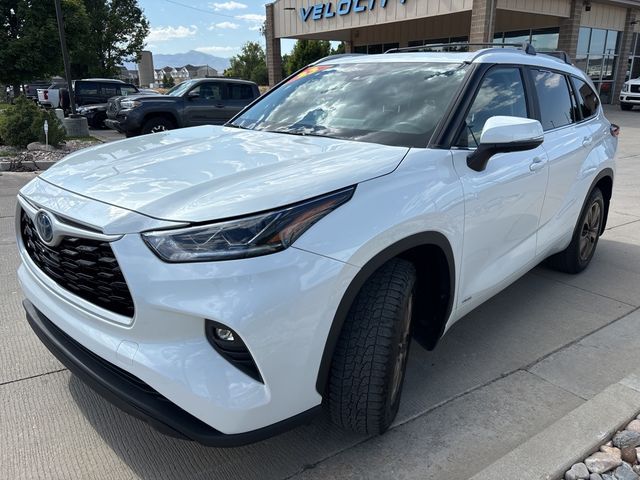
{"x": 392, "y": 251}
{"x": 605, "y": 173}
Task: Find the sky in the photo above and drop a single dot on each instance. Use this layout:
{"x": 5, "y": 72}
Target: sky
{"x": 218, "y": 27}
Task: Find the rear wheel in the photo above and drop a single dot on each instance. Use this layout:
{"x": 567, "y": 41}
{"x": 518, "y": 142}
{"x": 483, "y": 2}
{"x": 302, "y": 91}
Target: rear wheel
{"x": 367, "y": 371}
{"x": 157, "y": 124}
{"x": 626, "y": 106}
{"x": 576, "y": 257}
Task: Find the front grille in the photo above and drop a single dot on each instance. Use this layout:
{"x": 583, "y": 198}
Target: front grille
{"x": 85, "y": 267}
{"x": 635, "y": 88}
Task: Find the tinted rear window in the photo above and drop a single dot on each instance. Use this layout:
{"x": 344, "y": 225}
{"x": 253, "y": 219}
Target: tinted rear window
{"x": 556, "y": 109}
{"x": 389, "y": 103}
{"x": 587, "y": 98}
{"x": 239, "y": 91}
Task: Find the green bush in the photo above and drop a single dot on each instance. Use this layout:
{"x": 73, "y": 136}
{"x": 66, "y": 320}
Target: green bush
{"x": 57, "y": 133}
{"x": 23, "y": 122}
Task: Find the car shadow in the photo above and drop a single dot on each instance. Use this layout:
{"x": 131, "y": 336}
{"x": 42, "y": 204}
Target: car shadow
{"x": 532, "y": 318}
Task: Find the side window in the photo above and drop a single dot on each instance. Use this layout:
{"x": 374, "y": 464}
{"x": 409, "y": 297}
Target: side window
{"x": 501, "y": 93}
{"x": 109, "y": 89}
{"x": 587, "y": 98}
{"x": 239, "y": 91}
{"x": 209, "y": 91}
{"x": 128, "y": 90}
{"x": 556, "y": 108}
{"x": 87, "y": 88}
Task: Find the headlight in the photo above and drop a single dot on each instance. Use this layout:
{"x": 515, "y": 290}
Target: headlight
{"x": 260, "y": 234}
{"x": 625, "y": 87}
{"x": 127, "y": 104}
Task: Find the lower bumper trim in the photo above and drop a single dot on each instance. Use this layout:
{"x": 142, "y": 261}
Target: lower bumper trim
{"x": 140, "y": 400}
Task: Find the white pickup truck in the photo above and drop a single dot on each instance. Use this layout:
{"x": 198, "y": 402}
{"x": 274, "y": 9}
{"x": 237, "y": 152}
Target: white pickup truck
{"x": 50, "y": 97}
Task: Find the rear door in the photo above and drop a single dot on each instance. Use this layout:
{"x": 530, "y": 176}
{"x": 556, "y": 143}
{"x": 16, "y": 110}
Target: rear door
{"x": 567, "y": 140}
{"x": 502, "y": 202}
{"x": 239, "y": 96}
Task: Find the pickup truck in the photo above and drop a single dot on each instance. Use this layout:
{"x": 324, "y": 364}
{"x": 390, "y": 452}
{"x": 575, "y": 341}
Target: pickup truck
{"x": 87, "y": 92}
{"x": 207, "y": 101}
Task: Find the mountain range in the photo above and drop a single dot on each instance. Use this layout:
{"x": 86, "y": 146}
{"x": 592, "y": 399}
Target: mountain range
{"x": 192, "y": 57}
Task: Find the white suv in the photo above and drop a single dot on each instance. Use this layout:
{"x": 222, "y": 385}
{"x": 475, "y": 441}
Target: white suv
{"x": 224, "y": 282}
{"x": 630, "y": 94}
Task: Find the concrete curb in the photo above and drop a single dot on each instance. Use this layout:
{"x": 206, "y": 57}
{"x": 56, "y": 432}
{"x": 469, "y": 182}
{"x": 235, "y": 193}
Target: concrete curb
{"x": 550, "y": 453}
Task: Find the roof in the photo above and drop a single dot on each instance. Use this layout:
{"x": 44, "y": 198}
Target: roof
{"x": 487, "y": 55}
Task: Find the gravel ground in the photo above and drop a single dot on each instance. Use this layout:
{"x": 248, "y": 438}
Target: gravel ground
{"x": 24, "y": 160}
{"x": 617, "y": 459}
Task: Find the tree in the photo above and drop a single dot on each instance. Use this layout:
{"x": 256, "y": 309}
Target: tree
{"x": 305, "y": 52}
{"x": 118, "y": 31}
{"x": 29, "y": 42}
{"x": 168, "y": 81}
{"x": 339, "y": 50}
{"x": 249, "y": 64}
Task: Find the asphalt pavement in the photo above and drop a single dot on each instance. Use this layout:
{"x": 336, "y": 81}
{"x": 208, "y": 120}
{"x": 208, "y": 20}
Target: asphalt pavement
{"x": 502, "y": 374}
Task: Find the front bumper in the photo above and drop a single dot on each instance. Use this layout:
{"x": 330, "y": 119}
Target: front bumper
{"x": 136, "y": 397}
{"x": 633, "y": 98}
{"x": 130, "y": 123}
{"x": 282, "y": 306}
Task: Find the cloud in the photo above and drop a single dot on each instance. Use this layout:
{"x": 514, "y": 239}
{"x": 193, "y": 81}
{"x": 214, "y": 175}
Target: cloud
{"x": 224, "y": 26}
{"x": 162, "y": 34}
{"x": 230, "y": 5}
{"x": 252, "y": 17}
{"x": 255, "y": 28}
{"x": 216, "y": 49}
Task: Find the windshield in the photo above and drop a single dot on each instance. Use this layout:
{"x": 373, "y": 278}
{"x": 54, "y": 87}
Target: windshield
{"x": 180, "y": 89}
{"x": 389, "y": 103}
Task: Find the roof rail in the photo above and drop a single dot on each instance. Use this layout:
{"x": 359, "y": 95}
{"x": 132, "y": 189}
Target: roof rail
{"x": 525, "y": 46}
{"x": 337, "y": 55}
{"x": 559, "y": 54}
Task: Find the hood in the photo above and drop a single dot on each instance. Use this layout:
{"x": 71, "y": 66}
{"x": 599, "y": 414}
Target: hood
{"x": 207, "y": 173}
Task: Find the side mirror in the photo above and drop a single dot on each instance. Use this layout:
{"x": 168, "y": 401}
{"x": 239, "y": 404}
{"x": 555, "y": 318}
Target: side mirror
{"x": 193, "y": 95}
{"x": 505, "y": 134}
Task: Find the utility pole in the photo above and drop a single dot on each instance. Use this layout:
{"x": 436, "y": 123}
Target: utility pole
{"x": 65, "y": 56}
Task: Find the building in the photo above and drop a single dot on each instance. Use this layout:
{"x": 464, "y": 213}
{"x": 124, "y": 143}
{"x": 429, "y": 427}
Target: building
{"x": 145, "y": 68}
{"x": 600, "y": 36}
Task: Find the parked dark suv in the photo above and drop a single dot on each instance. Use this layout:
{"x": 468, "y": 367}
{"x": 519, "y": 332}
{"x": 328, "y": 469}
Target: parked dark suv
{"x": 209, "y": 101}
{"x": 91, "y": 97}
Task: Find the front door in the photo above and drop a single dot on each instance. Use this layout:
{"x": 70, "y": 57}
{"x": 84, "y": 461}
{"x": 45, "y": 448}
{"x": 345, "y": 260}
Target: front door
{"x": 502, "y": 202}
{"x": 205, "y": 104}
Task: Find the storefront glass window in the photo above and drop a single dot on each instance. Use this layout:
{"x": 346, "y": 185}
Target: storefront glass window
{"x": 597, "y": 40}
{"x": 597, "y": 54}
{"x": 546, "y": 39}
{"x": 583, "y": 41}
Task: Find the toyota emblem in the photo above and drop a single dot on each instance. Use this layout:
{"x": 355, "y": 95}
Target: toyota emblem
{"x": 44, "y": 226}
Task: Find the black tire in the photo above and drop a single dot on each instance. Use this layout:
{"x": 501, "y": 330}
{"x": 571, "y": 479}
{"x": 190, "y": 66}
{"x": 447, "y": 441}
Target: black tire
{"x": 157, "y": 124}
{"x": 367, "y": 371}
{"x": 577, "y": 256}
{"x": 626, "y": 106}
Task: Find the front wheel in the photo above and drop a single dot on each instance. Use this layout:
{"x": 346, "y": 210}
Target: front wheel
{"x": 576, "y": 257}
{"x": 367, "y": 371}
{"x": 156, "y": 125}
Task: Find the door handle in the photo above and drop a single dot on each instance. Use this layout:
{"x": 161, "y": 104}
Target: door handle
{"x": 537, "y": 164}
{"x": 586, "y": 141}
{"x": 219, "y": 105}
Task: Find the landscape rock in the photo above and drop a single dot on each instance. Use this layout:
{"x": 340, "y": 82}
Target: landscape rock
{"x": 601, "y": 462}
{"x": 625, "y": 472}
{"x": 595, "y": 476}
{"x": 626, "y": 438}
{"x": 40, "y": 147}
{"x": 577, "y": 472}
{"x": 634, "y": 426}
{"x": 628, "y": 454}
{"x": 611, "y": 450}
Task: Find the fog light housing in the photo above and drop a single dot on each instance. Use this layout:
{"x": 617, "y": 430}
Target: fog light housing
{"x": 232, "y": 348}
{"x": 224, "y": 334}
